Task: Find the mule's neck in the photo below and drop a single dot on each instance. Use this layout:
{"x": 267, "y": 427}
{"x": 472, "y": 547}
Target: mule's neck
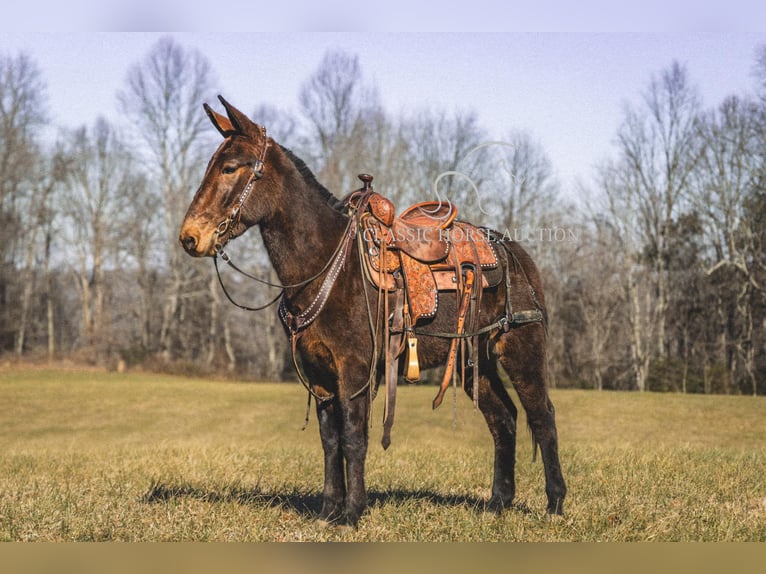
{"x": 303, "y": 231}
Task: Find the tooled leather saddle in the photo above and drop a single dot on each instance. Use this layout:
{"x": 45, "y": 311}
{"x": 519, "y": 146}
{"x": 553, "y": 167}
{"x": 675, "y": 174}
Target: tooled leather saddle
{"x": 416, "y": 255}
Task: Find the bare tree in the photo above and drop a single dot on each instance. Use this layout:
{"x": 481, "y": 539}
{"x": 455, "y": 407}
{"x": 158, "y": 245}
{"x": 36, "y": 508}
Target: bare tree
{"x": 339, "y": 108}
{"x": 333, "y": 98}
{"x": 759, "y": 71}
{"x": 593, "y": 311}
{"x": 22, "y": 163}
{"x": 280, "y": 125}
{"x": 443, "y": 159}
{"x": 95, "y": 202}
{"x": 727, "y": 176}
{"x": 525, "y": 183}
{"x": 141, "y": 256}
{"x": 620, "y": 185}
{"x": 658, "y": 144}
{"x": 162, "y": 98}
{"x": 23, "y": 111}
{"x": 39, "y": 215}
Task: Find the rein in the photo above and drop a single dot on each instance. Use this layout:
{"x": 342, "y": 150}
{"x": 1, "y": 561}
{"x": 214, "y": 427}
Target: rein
{"x": 336, "y": 260}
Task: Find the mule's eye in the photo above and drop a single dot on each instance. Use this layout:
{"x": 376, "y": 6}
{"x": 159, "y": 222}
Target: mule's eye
{"x": 229, "y": 169}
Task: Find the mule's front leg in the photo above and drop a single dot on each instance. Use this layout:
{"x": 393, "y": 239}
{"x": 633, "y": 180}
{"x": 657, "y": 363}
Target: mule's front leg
{"x": 334, "y": 494}
{"x": 354, "y": 438}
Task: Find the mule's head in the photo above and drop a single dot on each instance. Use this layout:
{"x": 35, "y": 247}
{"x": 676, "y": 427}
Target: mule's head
{"x": 220, "y": 210}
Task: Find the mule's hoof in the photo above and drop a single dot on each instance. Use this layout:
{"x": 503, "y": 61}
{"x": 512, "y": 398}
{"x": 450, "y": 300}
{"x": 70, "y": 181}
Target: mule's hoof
{"x": 496, "y": 505}
{"x": 326, "y": 520}
{"x": 340, "y": 525}
{"x": 556, "y": 509}
{"x": 351, "y": 522}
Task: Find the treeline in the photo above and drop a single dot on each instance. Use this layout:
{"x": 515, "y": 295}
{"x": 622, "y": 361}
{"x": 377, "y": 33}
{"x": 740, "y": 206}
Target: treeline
{"x": 655, "y": 274}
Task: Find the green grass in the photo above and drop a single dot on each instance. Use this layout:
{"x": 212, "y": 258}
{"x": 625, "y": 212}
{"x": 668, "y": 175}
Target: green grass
{"x": 134, "y": 457}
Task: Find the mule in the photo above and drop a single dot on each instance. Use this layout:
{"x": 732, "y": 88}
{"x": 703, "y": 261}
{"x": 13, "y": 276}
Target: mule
{"x": 253, "y": 181}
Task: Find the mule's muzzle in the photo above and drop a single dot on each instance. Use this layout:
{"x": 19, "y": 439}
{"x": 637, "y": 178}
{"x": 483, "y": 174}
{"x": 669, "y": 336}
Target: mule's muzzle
{"x": 193, "y": 244}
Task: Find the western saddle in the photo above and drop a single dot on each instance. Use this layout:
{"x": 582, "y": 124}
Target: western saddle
{"x": 415, "y": 256}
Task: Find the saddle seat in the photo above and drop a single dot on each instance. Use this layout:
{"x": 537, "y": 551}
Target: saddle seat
{"x": 418, "y": 231}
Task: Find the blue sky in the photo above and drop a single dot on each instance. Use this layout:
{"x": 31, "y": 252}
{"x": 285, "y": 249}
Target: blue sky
{"x": 567, "y": 89}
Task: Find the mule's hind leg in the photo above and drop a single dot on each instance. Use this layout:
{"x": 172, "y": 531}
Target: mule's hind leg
{"x": 522, "y": 354}
{"x": 500, "y": 414}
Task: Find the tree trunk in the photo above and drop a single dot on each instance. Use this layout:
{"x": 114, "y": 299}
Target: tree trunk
{"x": 662, "y": 304}
{"x": 596, "y": 351}
{"x": 85, "y": 308}
{"x": 26, "y": 296}
{"x": 49, "y": 297}
{"x": 169, "y": 310}
{"x": 229, "y": 347}
{"x": 685, "y": 376}
{"x": 639, "y": 357}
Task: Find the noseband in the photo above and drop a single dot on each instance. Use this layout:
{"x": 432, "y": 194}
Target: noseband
{"x": 225, "y": 229}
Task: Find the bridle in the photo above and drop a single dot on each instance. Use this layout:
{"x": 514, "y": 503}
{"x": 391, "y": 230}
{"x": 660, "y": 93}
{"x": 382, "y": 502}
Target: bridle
{"x": 225, "y": 229}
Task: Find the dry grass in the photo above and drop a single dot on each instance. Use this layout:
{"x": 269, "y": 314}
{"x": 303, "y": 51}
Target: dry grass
{"x": 135, "y": 457}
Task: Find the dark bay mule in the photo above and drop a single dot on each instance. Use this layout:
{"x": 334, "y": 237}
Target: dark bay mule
{"x": 252, "y": 180}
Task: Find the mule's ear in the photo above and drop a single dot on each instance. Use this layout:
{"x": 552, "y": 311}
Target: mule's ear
{"x": 240, "y": 121}
{"x": 221, "y": 123}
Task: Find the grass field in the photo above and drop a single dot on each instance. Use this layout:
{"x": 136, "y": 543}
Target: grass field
{"x": 139, "y": 457}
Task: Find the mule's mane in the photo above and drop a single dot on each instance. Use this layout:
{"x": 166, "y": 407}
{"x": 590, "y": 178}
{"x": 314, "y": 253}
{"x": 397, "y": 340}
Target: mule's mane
{"x": 310, "y": 178}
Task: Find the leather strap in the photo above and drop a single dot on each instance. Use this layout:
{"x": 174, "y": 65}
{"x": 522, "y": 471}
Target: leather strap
{"x": 474, "y": 313}
{"x": 394, "y": 338}
{"x": 413, "y": 366}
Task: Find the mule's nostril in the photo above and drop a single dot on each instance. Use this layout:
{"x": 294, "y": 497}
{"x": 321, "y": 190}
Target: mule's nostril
{"x": 188, "y": 242}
